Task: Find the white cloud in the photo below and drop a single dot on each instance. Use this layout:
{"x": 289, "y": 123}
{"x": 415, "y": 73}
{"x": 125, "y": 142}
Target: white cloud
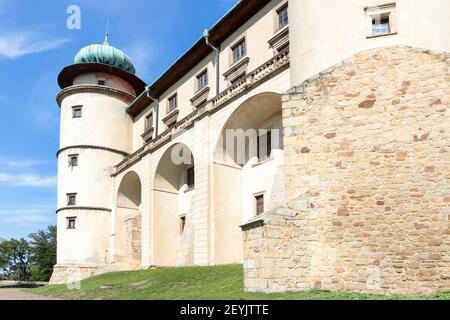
{"x": 26, "y": 217}
{"x": 27, "y": 180}
{"x": 16, "y": 164}
{"x": 13, "y": 46}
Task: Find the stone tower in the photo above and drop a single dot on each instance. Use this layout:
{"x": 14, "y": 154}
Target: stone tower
{"x": 95, "y": 135}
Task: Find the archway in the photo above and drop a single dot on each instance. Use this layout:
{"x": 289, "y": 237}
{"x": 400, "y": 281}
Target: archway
{"x": 248, "y": 175}
{"x": 173, "y": 189}
{"x": 128, "y": 222}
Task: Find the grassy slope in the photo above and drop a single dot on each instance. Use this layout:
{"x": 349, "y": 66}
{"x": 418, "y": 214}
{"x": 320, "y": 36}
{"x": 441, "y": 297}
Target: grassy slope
{"x": 195, "y": 283}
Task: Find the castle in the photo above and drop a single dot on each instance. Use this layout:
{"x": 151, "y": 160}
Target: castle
{"x": 339, "y": 178}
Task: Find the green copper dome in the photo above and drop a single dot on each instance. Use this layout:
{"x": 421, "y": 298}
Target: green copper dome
{"x": 106, "y": 54}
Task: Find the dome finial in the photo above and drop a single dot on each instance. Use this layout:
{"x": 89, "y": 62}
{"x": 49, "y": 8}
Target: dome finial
{"x": 106, "y": 42}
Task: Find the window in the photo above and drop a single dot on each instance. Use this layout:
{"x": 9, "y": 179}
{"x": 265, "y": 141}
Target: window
{"x": 77, "y": 112}
{"x": 101, "y": 82}
{"x": 259, "y": 200}
{"x": 191, "y": 178}
{"x": 202, "y": 80}
{"x": 239, "y": 51}
{"x": 71, "y": 223}
{"x": 283, "y": 17}
{"x": 381, "y": 24}
{"x": 264, "y": 146}
{"x": 149, "y": 121}
{"x": 173, "y": 103}
{"x": 73, "y": 160}
{"x": 71, "y": 199}
{"x": 182, "y": 224}
{"x": 381, "y": 20}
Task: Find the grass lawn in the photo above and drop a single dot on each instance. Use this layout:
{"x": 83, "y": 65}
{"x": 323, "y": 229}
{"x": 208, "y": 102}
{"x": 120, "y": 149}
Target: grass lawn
{"x": 193, "y": 283}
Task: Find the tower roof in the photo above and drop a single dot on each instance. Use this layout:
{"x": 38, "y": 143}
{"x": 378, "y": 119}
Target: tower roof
{"x": 105, "y": 54}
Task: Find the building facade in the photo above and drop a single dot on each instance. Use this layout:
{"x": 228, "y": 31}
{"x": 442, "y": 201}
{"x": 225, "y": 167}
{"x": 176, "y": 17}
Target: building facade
{"x": 335, "y": 172}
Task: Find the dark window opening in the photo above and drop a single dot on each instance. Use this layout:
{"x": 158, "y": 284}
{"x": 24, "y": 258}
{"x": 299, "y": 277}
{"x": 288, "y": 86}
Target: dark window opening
{"x": 191, "y": 178}
{"x": 73, "y": 160}
{"x": 71, "y": 199}
{"x": 77, "y": 111}
{"x": 182, "y": 224}
{"x": 71, "y": 223}
{"x": 264, "y": 146}
{"x": 259, "y": 204}
{"x": 101, "y": 82}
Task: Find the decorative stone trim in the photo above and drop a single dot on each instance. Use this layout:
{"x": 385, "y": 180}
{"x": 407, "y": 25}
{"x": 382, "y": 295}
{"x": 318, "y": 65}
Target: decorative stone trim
{"x": 200, "y": 98}
{"x": 171, "y": 119}
{"x": 237, "y": 70}
{"x": 83, "y": 208}
{"x": 126, "y": 97}
{"x": 280, "y": 40}
{"x": 148, "y": 134}
{"x": 125, "y": 154}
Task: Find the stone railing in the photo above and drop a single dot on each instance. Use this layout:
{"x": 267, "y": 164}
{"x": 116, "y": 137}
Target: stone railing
{"x": 267, "y": 69}
{"x": 277, "y": 64}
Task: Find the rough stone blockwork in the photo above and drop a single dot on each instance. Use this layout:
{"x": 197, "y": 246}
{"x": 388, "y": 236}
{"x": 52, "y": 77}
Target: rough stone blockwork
{"x": 367, "y": 146}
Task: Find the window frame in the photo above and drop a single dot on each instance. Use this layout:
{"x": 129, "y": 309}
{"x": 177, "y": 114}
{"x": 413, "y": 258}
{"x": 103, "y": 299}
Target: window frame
{"x": 173, "y": 97}
{"x": 77, "y": 112}
{"x": 149, "y": 125}
{"x": 284, "y": 6}
{"x": 257, "y": 205}
{"x": 199, "y": 76}
{"x": 385, "y": 11}
{"x": 268, "y": 144}
{"x": 236, "y": 45}
{"x": 69, "y": 197}
{"x": 101, "y": 80}
{"x": 71, "y": 157}
{"x": 69, "y": 225}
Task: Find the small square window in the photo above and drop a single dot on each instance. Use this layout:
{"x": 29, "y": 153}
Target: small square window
{"x": 381, "y": 24}
{"x": 71, "y": 199}
{"x": 77, "y": 111}
{"x": 73, "y": 160}
{"x": 259, "y": 200}
{"x": 71, "y": 223}
{"x": 173, "y": 103}
{"x": 182, "y": 224}
{"x": 239, "y": 51}
{"x": 149, "y": 121}
{"x": 101, "y": 82}
{"x": 283, "y": 17}
{"x": 191, "y": 178}
{"x": 202, "y": 80}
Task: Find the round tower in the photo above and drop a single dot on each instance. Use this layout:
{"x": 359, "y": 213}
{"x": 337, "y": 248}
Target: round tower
{"x": 95, "y": 136}
{"x": 330, "y": 31}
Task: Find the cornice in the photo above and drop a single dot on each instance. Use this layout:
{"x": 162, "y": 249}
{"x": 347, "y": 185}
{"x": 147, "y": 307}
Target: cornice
{"x": 126, "y": 97}
{"x": 125, "y": 154}
{"x": 83, "y": 208}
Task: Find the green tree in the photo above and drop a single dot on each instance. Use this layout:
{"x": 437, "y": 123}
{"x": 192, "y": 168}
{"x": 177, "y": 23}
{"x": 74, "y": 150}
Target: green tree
{"x": 43, "y": 249}
{"x": 15, "y": 259}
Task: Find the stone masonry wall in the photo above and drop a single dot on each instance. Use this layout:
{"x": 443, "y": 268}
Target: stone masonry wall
{"x": 367, "y": 147}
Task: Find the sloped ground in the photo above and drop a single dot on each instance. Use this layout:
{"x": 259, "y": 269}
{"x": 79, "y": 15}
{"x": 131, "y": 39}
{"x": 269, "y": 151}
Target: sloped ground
{"x": 17, "y": 294}
{"x": 193, "y": 283}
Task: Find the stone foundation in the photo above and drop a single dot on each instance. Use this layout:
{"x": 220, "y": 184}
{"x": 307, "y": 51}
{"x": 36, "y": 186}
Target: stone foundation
{"x": 72, "y": 273}
{"x": 367, "y": 151}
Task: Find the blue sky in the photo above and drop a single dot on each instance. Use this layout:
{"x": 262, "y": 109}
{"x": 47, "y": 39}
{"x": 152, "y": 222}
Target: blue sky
{"x": 35, "y": 45}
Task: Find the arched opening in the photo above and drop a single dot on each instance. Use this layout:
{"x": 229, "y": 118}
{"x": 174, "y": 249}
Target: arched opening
{"x": 128, "y": 222}
{"x": 248, "y": 175}
{"x": 174, "y": 186}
